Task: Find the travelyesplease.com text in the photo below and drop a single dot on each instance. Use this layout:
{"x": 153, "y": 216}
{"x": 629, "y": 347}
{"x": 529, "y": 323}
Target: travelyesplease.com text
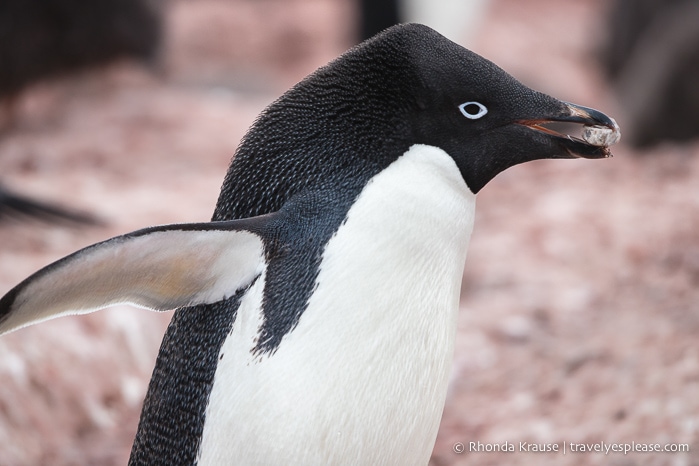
{"x": 571, "y": 447}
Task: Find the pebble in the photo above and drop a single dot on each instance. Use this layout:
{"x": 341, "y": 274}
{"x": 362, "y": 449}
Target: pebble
{"x": 601, "y": 135}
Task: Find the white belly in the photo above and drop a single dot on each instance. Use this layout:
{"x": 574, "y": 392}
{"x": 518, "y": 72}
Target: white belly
{"x": 362, "y": 379}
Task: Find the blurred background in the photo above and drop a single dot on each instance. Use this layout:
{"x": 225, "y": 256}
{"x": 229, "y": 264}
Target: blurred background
{"x": 579, "y": 317}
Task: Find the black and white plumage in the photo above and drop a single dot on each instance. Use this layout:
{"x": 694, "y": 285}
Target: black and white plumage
{"x": 317, "y": 312}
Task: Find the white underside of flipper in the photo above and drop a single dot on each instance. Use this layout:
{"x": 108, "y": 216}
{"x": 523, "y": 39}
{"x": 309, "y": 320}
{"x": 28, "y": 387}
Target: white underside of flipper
{"x": 160, "y": 270}
{"x": 362, "y": 378}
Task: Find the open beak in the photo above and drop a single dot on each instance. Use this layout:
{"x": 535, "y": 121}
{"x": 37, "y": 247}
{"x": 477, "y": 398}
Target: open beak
{"x": 598, "y": 131}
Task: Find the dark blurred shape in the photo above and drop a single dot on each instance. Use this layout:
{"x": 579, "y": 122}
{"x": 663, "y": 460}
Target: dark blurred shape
{"x": 41, "y": 39}
{"x": 13, "y": 206}
{"x": 651, "y": 58}
{"x": 628, "y": 20}
{"x": 377, "y": 15}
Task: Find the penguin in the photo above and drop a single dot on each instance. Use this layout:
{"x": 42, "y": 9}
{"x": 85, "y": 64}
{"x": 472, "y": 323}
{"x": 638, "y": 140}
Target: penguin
{"x": 316, "y": 313}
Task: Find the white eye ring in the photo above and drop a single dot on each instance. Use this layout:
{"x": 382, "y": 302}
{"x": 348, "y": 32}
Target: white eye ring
{"x": 482, "y": 110}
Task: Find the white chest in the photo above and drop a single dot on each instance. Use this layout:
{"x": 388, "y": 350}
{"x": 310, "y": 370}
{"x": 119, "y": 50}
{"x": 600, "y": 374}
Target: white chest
{"x": 362, "y": 378}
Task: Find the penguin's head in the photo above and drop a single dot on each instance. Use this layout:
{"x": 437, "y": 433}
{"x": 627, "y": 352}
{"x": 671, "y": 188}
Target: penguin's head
{"x": 408, "y": 85}
{"x": 483, "y": 117}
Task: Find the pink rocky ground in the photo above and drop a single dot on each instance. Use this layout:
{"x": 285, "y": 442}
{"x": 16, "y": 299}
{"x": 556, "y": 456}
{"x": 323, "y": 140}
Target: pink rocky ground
{"x": 579, "y": 320}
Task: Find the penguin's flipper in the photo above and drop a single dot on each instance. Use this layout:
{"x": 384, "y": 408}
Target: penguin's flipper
{"x": 159, "y": 268}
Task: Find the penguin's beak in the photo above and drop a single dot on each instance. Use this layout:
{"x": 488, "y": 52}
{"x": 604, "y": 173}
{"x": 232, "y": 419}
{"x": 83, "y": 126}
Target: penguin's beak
{"x": 598, "y": 131}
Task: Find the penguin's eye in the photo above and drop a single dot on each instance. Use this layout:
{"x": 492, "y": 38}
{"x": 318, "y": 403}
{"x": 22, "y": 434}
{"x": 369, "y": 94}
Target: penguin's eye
{"x": 473, "y": 110}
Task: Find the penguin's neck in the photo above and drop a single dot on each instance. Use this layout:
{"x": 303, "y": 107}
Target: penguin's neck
{"x": 362, "y": 378}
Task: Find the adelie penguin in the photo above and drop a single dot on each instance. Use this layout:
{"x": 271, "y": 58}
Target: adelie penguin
{"x": 317, "y": 312}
